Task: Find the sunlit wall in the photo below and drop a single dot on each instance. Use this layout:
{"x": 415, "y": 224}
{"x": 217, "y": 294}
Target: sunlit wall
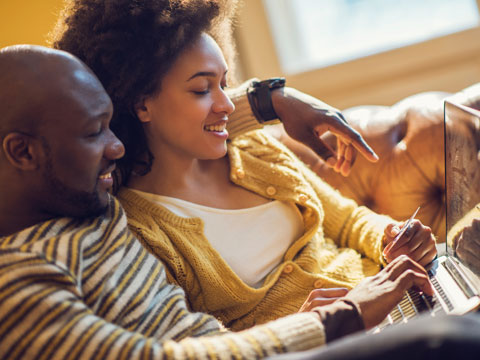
{"x": 27, "y": 21}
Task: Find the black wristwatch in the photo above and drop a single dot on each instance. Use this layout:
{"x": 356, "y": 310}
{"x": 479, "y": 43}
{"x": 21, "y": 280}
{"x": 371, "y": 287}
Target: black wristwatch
{"x": 260, "y": 98}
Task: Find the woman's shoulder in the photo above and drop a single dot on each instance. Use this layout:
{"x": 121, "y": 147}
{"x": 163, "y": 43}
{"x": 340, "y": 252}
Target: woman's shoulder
{"x": 260, "y": 144}
{"x": 139, "y": 211}
{"x": 258, "y": 137}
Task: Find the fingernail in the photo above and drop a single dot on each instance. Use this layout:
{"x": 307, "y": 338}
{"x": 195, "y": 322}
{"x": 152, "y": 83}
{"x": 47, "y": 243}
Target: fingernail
{"x": 395, "y": 230}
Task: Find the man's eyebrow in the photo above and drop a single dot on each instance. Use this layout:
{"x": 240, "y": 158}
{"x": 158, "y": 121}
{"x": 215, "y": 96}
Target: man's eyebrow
{"x": 204, "y": 73}
{"x": 101, "y": 116}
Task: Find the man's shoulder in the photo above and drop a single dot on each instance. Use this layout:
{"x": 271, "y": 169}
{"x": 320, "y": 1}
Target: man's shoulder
{"x": 60, "y": 235}
{"x": 49, "y": 229}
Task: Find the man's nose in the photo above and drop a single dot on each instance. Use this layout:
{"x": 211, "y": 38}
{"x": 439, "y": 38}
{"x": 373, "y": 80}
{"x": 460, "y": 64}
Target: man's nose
{"x": 114, "y": 149}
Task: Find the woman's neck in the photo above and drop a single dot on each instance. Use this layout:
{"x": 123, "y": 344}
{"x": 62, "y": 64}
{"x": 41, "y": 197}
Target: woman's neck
{"x": 204, "y": 182}
{"x": 191, "y": 180}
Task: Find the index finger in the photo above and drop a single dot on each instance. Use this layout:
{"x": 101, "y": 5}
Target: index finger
{"x": 341, "y": 128}
{"x": 329, "y": 292}
{"x": 398, "y": 241}
{"x": 406, "y": 269}
{"x": 402, "y": 238}
{"x": 411, "y": 278}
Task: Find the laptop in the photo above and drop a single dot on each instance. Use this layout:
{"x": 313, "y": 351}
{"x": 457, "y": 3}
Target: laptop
{"x": 456, "y": 284}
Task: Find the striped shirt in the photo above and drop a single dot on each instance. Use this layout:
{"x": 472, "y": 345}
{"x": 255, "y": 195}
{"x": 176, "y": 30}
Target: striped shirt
{"x": 87, "y": 289}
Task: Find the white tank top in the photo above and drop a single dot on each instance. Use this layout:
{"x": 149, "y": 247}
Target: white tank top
{"x": 252, "y": 241}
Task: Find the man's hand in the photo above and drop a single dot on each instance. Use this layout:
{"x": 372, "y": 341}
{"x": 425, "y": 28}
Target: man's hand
{"x": 417, "y": 242}
{"x": 306, "y": 119}
{"x": 377, "y": 295}
{"x": 320, "y": 297}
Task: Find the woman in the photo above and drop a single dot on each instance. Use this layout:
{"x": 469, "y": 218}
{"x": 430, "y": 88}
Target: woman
{"x": 247, "y": 235}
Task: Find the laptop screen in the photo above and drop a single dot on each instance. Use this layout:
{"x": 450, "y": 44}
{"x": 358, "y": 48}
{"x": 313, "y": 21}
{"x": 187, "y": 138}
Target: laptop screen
{"x": 462, "y": 183}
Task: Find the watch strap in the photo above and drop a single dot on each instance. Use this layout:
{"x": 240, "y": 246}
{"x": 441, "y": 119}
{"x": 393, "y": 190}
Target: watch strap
{"x": 260, "y": 98}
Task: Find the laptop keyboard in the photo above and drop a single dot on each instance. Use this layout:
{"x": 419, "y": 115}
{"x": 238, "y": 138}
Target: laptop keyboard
{"x": 440, "y": 291}
{"x": 414, "y": 303}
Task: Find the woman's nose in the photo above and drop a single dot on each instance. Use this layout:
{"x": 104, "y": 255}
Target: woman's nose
{"x": 223, "y": 104}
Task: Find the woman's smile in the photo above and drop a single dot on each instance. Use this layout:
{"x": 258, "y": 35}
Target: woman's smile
{"x": 218, "y": 128}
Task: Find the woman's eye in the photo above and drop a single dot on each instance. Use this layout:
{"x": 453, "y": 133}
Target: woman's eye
{"x": 201, "y": 92}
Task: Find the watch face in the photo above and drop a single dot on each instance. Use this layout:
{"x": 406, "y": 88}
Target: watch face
{"x": 272, "y": 83}
{"x": 275, "y": 83}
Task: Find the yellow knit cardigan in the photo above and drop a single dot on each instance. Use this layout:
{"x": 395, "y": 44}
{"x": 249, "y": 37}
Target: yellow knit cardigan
{"x": 340, "y": 246}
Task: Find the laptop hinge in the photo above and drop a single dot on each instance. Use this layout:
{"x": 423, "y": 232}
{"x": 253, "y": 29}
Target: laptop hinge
{"x": 459, "y": 276}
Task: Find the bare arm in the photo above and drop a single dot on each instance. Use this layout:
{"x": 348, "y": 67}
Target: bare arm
{"x": 305, "y": 119}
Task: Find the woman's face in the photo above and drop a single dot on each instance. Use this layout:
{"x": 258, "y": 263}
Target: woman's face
{"x": 187, "y": 118}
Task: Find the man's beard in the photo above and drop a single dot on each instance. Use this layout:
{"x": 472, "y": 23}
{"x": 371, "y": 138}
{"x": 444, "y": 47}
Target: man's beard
{"x": 65, "y": 201}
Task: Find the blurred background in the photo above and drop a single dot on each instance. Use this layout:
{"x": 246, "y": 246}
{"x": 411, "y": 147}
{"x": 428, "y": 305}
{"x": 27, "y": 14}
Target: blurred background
{"x": 352, "y": 52}
{"x": 345, "y": 52}
{"x": 27, "y": 21}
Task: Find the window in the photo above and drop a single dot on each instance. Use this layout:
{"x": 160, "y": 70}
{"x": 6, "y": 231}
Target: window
{"x": 354, "y": 52}
{"x": 309, "y": 34}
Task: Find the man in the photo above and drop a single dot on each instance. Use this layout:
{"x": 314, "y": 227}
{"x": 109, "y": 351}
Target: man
{"x": 73, "y": 281}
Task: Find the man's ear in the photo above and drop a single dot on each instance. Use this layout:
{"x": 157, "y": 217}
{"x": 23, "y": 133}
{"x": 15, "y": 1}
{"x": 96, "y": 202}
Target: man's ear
{"x": 141, "y": 109}
{"x": 21, "y": 150}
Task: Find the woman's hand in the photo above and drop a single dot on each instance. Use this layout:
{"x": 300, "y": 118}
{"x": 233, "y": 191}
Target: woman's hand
{"x": 320, "y": 297}
{"x": 417, "y": 242}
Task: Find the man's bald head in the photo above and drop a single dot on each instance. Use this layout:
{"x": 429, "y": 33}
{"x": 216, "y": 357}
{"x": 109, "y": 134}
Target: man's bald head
{"x": 32, "y": 78}
{"x": 56, "y": 148}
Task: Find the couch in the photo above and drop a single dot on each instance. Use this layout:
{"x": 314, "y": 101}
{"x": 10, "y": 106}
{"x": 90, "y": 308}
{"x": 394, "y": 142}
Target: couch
{"x": 409, "y": 139}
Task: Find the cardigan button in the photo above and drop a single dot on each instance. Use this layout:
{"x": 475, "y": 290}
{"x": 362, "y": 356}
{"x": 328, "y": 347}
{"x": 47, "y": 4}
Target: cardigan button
{"x": 271, "y": 191}
{"x": 288, "y": 269}
{"x": 303, "y": 198}
{"x": 240, "y": 173}
{"x": 318, "y": 284}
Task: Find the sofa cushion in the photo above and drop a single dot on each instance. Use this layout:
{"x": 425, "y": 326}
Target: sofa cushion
{"x": 409, "y": 139}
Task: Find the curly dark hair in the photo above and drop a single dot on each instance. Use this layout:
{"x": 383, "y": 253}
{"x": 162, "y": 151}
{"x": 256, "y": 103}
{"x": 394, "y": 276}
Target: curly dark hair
{"x": 130, "y": 45}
